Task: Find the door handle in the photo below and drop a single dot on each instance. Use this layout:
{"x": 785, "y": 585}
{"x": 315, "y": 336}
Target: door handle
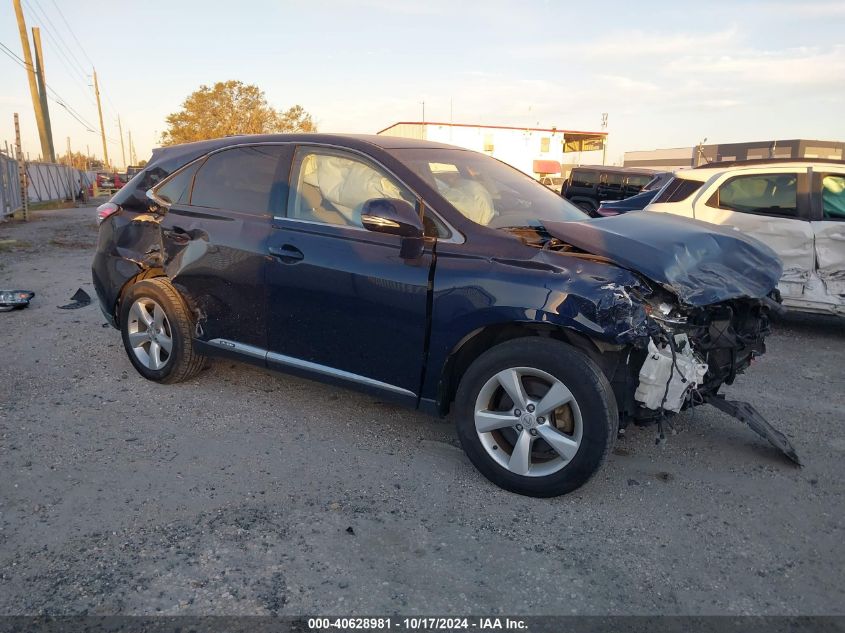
{"x": 287, "y": 253}
{"x": 177, "y": 234}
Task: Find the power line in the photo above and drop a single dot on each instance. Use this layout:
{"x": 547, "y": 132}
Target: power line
{"x": 13, "y": 55}
{"x": 56, "y": 32}
{"x": 84, "y": 74}
{"x": 61, "y": 46}
{"x": 68, "y": 59}
{"x": 72, "y": 33}
{"x": 56, "y": 97}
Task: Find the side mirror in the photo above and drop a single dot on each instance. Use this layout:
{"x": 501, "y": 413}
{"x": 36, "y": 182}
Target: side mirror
{"x": 157, "y": 199}
{"x": 392, "y": 216}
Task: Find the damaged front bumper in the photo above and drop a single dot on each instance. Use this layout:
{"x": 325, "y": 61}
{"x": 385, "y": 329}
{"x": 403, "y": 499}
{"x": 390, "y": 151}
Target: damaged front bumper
{"x": 691, "y": 354}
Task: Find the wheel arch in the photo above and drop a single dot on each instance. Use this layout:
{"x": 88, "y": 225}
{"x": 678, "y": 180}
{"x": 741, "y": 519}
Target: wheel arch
{"x": 147, "y": 273}
{"x": 584, "y": 199}
{"x": 471, "y": 346}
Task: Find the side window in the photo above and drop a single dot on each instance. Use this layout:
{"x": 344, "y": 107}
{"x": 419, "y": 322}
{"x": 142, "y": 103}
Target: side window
{"x": 614, "y": 181}
{"x": 584, "y": 178}
{"x": 768, "y": 194}
{"x": 331, "y": 187}
{"x": 433, "y": 226}
{"x": 178, "y": 188}
{"x": 244, "y": 179}
{"x": 678, "y": 190}
{"x": 638, "y": 182}
{"x": 833, "y": 197}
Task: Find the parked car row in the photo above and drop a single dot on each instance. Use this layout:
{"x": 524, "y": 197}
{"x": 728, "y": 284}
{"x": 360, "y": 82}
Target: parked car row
{"x": 795, "y": 207}
{"x": 442, "y": 279}
{"x": 590, "y": 187}
{"x": 110, "y": 181}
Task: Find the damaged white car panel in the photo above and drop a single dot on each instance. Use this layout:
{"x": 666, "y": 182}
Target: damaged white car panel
{"x": 796, "y": 208}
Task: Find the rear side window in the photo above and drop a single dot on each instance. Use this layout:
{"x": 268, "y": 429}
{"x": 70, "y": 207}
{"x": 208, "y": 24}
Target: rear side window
{"x": 244, "y": 179}
{"x": 614, "y": 180}
{"x": 584, "y": 178}
{"x": 639, "y": 181}
{"x": 178, "y": 188}
{"x": 833, "y": 197}
{"x": 678, "y": 189}
{"x": 768, "y": 194}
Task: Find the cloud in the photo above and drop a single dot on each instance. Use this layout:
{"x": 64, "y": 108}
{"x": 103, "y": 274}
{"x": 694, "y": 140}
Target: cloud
{"x": 632, "y": 43}
{"x": 795, "y": 67}
{"x": 810, "y": 10}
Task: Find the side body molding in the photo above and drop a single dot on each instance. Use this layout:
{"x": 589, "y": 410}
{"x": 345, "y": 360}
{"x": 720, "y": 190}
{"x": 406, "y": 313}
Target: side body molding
{"x": 306, "y": 368}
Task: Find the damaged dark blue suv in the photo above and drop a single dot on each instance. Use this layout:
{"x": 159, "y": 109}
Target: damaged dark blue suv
{"x": 440, "y": 278}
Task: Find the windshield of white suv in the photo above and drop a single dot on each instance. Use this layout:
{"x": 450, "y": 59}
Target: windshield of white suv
{"x": 487, "y": 191}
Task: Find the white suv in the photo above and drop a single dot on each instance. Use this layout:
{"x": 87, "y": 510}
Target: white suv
{"x": 797, "y": 207}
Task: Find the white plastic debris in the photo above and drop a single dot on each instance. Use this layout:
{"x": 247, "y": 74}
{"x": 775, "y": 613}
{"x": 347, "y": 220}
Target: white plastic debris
{"x": 658, "y": 370}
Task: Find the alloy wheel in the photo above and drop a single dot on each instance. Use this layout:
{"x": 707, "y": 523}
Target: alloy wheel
{"x": 528, "y": 421}
{"x": 149, "y": 333}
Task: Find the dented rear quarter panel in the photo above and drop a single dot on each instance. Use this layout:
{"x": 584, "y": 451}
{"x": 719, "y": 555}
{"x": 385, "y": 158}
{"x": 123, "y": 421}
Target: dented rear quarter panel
{"x": 217, "y": 261}
{"x": 128, "y": 244}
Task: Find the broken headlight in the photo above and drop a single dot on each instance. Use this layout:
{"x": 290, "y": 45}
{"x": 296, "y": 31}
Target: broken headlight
{"x": 10, "y": 299}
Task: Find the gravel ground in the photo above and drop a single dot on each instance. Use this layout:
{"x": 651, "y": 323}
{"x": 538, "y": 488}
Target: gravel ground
{"x": 247, "y": 492}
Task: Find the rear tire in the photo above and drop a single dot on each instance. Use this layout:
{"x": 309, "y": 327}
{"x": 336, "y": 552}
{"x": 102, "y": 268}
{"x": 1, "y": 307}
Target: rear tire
{"x": 533, "y": 447}
{"x": 157, "y": 332}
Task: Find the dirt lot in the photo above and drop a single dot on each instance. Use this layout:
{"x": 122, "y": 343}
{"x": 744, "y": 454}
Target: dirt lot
{"x": 244, "y": 491}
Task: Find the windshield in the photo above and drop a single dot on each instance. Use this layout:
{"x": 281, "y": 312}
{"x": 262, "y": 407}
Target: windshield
{"x": 488, "y": 191}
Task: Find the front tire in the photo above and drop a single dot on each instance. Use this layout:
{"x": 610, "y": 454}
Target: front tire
{"x": 536, "y": 416}
{"x": 157, "y": 332}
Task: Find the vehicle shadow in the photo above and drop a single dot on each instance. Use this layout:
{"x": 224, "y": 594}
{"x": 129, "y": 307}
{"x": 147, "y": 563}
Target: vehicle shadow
{"x": 798, "y": 322}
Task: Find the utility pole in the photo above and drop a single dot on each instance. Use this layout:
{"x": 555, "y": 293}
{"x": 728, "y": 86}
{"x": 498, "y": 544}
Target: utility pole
{"x": 21, "y": 170}
{"x": 42, "y": 90}
{"x": 33, "y": 86}
{"x": 102, "y": 128}
{"x": 700, "y": 152}
{"x": 122, "y": 151}
{"x": 70, "y": 177}
{"x": 604, "y": 140}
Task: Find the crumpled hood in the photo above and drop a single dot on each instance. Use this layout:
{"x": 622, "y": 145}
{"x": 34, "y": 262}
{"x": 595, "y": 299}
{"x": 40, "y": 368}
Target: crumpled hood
{"x": 702, "y": 263}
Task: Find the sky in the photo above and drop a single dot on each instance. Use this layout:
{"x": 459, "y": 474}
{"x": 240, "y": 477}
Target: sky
{"x": 667, "y": 74}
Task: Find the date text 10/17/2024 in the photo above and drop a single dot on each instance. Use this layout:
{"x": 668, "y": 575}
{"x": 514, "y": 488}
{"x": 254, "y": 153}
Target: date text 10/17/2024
{"x": 417, "y": 624}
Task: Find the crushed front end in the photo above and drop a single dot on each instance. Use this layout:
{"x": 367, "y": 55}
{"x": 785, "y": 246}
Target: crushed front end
{"x": 690, "y": 352}
{"x": 701, "y": 309}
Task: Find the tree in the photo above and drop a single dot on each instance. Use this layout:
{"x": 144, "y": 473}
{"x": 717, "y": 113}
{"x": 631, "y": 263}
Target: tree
{"x": 79, "y": 160}
{"x": 231, "y": 107}
{"x": 296, "y": 119}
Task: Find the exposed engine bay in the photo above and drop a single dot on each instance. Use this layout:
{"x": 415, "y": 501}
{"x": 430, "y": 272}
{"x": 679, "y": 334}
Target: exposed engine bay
{"x": 683, "y": 351}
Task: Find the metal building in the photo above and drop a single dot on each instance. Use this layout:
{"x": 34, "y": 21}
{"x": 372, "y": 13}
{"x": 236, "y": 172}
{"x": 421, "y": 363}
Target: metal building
{"x": 680, "y": 157}
{"x": 535, "y": 151}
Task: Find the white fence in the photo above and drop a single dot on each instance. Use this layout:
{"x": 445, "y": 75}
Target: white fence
{"x": 10, "y": 188}
{"x": 46, "y": 182}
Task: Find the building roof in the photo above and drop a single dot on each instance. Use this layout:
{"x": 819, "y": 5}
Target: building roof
{"x": 493, "y": 127}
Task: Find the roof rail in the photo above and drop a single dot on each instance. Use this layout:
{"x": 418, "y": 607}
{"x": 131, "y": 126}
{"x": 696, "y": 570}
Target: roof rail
{"x": 766, "y": 161}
